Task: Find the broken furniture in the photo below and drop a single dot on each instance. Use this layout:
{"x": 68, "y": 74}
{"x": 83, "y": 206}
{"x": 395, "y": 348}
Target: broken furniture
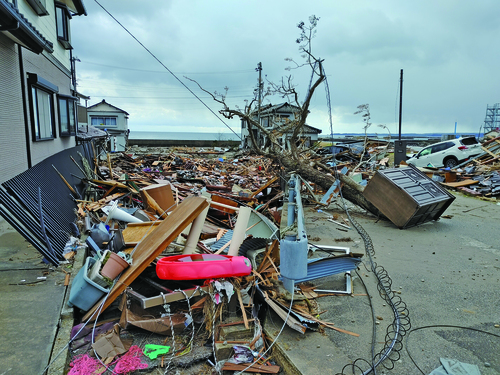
{"x": 332, "y": 265}
{"x": 153, "y": 244}
{"x": 406, "y": 196}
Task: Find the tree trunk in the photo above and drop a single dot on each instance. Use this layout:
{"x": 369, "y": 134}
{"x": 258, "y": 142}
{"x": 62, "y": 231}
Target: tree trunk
{"x": 351, "y": 190}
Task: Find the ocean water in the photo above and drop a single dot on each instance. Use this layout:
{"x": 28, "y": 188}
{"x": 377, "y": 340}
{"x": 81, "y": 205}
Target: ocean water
{"x": 183, "y": 136}
{"x": 232, "y": 137}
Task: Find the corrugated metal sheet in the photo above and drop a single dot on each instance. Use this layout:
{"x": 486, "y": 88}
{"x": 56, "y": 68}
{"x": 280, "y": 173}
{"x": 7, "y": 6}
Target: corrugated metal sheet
{"x": 19, "y": 200}
{"x": 322, "y": 267}
{"x": 223, "y": 240}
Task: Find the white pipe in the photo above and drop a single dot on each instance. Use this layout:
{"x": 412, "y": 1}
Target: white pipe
{"x": 224, "y": 205}
{"x": 194, "y": 233}
{"x": 239, "y": 231}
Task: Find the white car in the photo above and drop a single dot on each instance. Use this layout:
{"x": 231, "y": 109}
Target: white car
{"x": 446, "y": 154}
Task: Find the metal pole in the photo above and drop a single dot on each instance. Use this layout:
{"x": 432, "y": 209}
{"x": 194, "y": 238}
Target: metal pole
{"x": 259, "y": 68}
{"x": 400, "y": 102}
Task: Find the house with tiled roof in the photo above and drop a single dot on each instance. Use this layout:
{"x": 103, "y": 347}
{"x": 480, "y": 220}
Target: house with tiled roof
{"x": 38, "y": 100}
{"x": 112, "y": 120}
{"x": 271, "y": 117}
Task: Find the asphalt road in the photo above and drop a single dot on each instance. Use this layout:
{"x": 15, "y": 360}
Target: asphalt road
{"x": 444, "y": 272}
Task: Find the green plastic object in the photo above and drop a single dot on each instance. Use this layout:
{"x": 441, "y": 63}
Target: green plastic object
{"x": 153, "y": 351}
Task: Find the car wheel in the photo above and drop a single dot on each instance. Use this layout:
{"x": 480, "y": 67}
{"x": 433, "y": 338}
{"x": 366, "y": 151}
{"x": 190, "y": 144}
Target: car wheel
{"x": 450, "y": 162}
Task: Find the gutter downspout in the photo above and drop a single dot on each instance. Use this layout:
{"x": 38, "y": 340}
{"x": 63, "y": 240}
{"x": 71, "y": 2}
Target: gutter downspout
{"x": 25, "y": 108}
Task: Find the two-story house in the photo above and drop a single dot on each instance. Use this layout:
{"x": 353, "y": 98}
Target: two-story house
{"x": 37, "y": 93}
{"x": 272, "y": 116}
{"x": 113, "y": 120}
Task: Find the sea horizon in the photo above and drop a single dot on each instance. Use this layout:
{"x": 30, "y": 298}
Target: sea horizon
{"x": 210, "y": 136}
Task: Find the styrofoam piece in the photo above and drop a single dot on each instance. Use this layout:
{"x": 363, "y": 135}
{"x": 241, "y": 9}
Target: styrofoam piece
{"x": 95, "y": 275}
{"x": 116, "y": 213}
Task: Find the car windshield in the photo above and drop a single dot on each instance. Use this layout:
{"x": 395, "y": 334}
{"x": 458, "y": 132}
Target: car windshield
{"x": 469, "y": 141}
{"x": 425, "y": 151}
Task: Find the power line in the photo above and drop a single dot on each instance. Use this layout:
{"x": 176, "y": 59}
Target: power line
{"x": 156, "y": 58}
{"x": 161, "y": 72}
{"x": 165, "y": 97}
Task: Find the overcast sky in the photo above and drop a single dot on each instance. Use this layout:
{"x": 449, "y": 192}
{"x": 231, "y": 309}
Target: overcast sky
{"x": 448, "y": 50}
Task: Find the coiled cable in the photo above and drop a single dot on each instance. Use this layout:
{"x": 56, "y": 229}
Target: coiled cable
{"x": 400, "y": 325}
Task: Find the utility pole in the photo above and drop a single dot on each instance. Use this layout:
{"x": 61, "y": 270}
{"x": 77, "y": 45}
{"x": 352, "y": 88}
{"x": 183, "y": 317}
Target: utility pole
{"x": 400, "y": 103}
{"x": 259, "y": 69}
{"x": 399, "y": 145}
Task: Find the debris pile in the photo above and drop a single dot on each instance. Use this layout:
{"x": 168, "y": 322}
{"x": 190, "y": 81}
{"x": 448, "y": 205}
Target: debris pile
{"x": 184, "y": 261}
{"x": 479, "y": 176}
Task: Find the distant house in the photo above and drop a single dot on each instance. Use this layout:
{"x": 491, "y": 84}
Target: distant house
{"x": 113, "y": 120}
{"x": 37, "y": 93}
{"x": 272, "y": 116}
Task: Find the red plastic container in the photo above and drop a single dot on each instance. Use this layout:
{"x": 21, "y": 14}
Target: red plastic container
{"x": 202, "y": 266}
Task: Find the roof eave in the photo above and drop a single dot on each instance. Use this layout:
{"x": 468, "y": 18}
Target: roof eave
{"x": 23, "y": 31}
{"x": 80, "y": 8}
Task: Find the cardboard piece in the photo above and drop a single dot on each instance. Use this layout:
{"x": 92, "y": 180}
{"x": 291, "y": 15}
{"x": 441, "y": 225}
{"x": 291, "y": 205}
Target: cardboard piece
{"x": 162, "y": 195}
{"x": 109, "y": 344}
{"x": 134, "y": 315}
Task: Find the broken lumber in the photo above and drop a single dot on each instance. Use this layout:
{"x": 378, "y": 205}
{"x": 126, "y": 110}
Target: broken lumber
{"x": 152, "y": 246}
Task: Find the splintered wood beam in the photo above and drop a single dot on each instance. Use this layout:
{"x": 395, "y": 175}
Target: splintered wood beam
{"x": 245, "y": 319}
{"x": 266, "y": 185}
{"x": 152, "y": 246}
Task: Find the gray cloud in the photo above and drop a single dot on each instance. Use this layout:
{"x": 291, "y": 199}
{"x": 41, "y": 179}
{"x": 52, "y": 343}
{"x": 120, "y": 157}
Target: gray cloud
{"x": 446, "y": 48}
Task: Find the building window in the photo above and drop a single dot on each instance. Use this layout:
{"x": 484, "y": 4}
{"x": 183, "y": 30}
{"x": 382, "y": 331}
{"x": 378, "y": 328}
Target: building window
{"x": 62, "y": 24}
{"x": 67, "y": 116}
{"x": 42, "y": 105}
{"x": 39, "y": 6}
{"x": 102, "y": 121}
{"x": 43, "y": 115}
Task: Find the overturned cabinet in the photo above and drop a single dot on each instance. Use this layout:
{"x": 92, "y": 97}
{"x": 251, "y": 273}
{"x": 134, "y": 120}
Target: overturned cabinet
{"x": 406, "y": 196}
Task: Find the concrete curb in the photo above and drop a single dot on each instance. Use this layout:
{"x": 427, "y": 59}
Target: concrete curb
{"x": 282, "y": 358}
{"x": 66, "y": 322}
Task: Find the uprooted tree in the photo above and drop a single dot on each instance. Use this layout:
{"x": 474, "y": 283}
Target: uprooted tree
{"x": 293, "y": 154}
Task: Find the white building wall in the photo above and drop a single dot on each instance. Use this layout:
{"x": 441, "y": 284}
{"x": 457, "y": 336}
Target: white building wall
{"x": 13, "y": 156}
{"x": 47, "y": 26}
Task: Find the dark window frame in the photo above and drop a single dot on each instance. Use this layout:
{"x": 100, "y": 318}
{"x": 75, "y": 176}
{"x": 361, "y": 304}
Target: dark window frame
{"x": 39, "y": 6}
{"x": 92, "y": 117}
{"x": 69, "y": 129}
{"x": 35, "y": 84}
{"x": 63, "y": 16}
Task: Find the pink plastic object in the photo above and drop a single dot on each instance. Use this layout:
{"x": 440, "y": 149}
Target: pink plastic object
{"x": 202, "y": 266}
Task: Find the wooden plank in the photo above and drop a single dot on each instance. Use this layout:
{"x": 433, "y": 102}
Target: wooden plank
{"x": 488, "y": 151}
{"x": 267, "y": 254}
{"x": 460, "y": 183}
{"x": 135, "y": 233}
{"x": 162, "y": 195}
{"x": 245, "y": 319}
{"x": 263, "y": 369}
{"x": 266, "y": 185}
{"x": 225, "y": 205}
{"x": 151, "y": 203}
{"x": 291, "y": 321}
{"x": 152, "y": 246}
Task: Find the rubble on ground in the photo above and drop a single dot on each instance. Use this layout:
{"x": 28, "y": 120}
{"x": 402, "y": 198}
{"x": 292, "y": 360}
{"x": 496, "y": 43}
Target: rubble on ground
{"x": 199, "y": 239}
